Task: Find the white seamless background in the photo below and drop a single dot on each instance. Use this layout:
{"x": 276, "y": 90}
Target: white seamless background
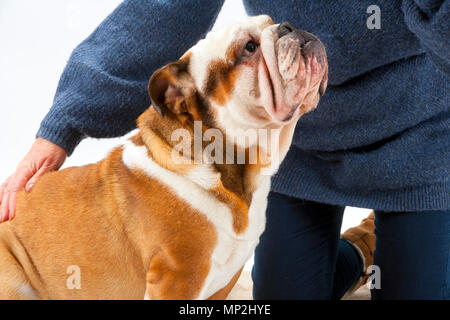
{"x": 36, "y": 39}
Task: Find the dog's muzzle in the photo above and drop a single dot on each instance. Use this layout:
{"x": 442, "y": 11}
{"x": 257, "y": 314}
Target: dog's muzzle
{"x": 309, "y": 44}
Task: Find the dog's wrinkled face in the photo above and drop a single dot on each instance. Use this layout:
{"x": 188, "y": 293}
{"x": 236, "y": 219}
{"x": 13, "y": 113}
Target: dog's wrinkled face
{"x": 254, "y": 74}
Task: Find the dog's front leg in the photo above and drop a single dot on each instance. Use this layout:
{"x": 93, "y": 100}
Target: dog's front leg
{"x": 170, "y": 278}
{"x": 223, "y": 293}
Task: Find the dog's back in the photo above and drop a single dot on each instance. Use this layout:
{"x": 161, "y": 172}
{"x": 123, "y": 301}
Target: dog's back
{"x": 68, "y": 223}
{"x": 115, "y": 228}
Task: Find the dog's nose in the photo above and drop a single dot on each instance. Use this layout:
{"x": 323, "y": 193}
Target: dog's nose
{"x": 284, "y": 28}
{"x": 309, "y": 44}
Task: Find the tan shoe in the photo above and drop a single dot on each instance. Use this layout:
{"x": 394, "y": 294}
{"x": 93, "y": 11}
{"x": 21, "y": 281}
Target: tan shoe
{"x": 363, "y": 238}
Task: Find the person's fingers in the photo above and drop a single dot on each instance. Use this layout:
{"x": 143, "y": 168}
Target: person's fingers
{"x": 3, "y": 189}
{"x": 15, "y": 183}
{"x": 5, "y": 207}
{"x": 35, "y": 177}
{"x": 12, "y": 206}
{"x": 20, "y": 179}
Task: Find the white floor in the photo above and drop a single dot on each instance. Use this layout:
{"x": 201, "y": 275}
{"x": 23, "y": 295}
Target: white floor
{"x": 36, "y": 39}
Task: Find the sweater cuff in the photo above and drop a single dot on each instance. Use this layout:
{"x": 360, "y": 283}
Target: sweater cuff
{"x": 60, "y": 134}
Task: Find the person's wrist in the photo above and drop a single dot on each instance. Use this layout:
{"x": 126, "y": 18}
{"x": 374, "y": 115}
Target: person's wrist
{"x": 60, "y": 135}
{"x": 45, "y": 153}
{"x": 47, "y": 143}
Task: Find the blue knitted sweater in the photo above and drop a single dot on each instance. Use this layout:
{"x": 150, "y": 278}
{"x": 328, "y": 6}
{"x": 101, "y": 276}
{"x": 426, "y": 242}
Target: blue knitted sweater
{"x": 380, "y": 135}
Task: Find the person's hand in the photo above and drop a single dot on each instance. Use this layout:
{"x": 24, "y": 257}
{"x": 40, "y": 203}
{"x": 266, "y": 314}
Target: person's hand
{"x": 43, "y": 156}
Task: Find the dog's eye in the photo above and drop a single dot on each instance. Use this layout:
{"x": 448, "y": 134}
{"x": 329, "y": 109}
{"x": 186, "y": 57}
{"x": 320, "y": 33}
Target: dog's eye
{"x": 250, "y": 48}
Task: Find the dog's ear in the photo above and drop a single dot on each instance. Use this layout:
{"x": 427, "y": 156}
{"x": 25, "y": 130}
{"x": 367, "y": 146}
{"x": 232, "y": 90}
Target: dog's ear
{"x": 323, "y": 83}
{"x": 172, "y": 88}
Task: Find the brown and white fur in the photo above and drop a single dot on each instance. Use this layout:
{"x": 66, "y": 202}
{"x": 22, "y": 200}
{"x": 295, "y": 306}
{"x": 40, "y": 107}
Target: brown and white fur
{"x": 140, "y": 224}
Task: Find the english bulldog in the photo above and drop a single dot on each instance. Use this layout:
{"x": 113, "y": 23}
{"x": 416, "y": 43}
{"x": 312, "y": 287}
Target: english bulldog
{"x": 162, "y": 219}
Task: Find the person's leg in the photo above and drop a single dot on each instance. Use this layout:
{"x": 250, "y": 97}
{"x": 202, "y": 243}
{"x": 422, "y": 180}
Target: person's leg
{"x": 297, "y": 254}
{"x": 413, "y": 254}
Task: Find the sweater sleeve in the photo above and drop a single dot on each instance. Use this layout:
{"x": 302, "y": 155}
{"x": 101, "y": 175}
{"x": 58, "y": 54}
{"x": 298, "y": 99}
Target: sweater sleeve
{"x": 429, "y": 20}
{"x": 103, "y": 87}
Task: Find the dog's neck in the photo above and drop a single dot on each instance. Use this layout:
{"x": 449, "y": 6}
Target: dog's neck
{"x": 233, "y": 184}
{"x": 156, "y": 134}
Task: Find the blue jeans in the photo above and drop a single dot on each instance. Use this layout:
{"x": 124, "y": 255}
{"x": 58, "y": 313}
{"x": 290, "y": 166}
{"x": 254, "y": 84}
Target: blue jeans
{"x": 301, "y": 255}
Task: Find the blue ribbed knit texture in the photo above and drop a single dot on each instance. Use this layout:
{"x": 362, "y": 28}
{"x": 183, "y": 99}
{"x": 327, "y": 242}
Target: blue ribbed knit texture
{"x": 380, "y": 135}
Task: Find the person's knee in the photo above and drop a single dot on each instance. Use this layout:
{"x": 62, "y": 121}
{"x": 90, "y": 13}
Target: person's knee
{"x": 279, "y": 275}
{"x": 300, "y": 287}
{"x": 267, "y": 286}
{"x": 296, "y": 254}
{"x": 267, "y": 273}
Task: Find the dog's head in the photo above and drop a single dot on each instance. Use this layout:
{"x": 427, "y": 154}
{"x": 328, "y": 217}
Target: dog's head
{"x": 253, "y": 74}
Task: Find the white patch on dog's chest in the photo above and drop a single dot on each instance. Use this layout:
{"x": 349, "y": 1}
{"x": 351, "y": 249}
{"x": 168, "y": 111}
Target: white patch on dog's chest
{"x": 232, "y": 250}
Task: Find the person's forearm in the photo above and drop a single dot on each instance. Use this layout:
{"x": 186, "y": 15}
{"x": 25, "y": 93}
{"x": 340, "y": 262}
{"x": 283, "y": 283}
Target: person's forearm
{"x": 103, "y": 88}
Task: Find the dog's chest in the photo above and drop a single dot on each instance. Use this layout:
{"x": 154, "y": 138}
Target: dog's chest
{"x": 232, "y": 250}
